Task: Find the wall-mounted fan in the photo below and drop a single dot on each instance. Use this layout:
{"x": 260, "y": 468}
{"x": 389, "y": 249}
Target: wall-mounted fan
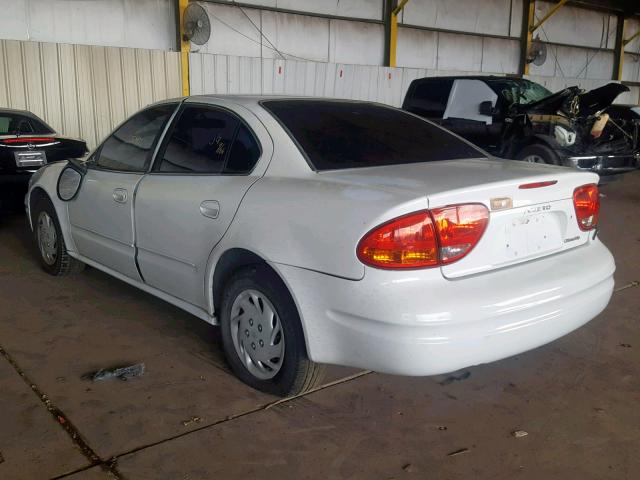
{"x": 195, "y": 24}
{"x": 537, "y": 53}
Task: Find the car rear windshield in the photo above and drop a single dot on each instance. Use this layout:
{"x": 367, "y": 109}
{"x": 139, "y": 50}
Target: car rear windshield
{"x": 342, "y": 134}
{"x": 17, "y": 124}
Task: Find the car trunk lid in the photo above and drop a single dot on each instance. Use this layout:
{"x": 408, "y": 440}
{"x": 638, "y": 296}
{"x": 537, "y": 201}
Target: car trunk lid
{"x": 531, "y": 216}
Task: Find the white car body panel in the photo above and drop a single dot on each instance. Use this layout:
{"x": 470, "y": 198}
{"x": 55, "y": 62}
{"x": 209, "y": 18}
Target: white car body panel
{"x": 102, "y": 228}
{"x": 306, "y": 226}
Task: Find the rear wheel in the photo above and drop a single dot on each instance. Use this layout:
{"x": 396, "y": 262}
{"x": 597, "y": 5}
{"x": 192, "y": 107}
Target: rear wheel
{"x": 54, "y": 257}
{"x": 538, "y": 153}
{"x": 262, "y": 335}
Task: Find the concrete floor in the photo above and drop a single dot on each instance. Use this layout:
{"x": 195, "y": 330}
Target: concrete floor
{"x": 188, "y": 418}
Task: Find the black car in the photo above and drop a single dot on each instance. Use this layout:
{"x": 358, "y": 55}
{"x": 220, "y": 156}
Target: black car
{"x": 520, "y": 119}
{"x": 27, "y": 143}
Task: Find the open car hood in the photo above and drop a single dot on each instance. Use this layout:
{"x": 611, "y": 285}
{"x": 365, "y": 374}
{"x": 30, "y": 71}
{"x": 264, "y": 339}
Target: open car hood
{"x": 588, "y": 102}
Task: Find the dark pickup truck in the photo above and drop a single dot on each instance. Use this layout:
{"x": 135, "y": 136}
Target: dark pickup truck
{"x": 520, "y": 119}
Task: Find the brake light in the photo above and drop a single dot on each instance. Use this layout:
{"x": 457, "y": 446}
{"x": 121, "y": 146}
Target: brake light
{"x": 424, "y": 239}
{"x": 527, "y": 186}
{"x": 29, "y": 139}
{"x": 405, "y": 242}
{"x": 586, "y": 202}
{"x": 459, "y": 228}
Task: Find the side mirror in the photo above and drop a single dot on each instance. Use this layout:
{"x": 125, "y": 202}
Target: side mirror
{"x": 487, "y": 108}
{"x": 70, "y": 180}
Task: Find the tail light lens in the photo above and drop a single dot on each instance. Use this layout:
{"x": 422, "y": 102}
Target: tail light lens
{"x": 586, "y": 201}
{"x": 25, "y": 140}
{"x": 405, "y": 242}
{"x": 459, "y": 229}
{"x": 424, "y": 239}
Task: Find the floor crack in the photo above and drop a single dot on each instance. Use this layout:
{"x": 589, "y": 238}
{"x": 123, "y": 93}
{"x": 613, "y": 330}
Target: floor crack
{"x": 243, "y": 414}
{"x": 62, "y": 420}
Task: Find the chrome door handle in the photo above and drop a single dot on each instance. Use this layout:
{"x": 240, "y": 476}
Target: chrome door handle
{"x": 120, "y": 195}
{"x": 210, "y": 208}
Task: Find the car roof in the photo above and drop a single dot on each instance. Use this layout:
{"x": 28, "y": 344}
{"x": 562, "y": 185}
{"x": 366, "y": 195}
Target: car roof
{"x": 253, "y": 99}
{"x": 487, "y": 78}
{"x": 17, "y": 111}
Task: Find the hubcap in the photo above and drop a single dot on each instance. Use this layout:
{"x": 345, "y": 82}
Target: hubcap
{"x": 534, "y": 159}
{"x": 47, "y": 238}
{"x": 257, "y": 334}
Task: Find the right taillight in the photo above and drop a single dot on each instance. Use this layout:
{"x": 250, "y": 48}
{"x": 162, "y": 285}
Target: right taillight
{"x": 586, "y": 201}
{"x": 425, "y": 239}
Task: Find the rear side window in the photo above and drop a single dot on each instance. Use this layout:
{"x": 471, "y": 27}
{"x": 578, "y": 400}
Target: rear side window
{"x": 209, "y": 140}
{"x": 16, "y": 124}
{"x": 129, "y": 147}
{"x": 337, "y": 135}
{"x": 429, "y": 98}
{"x": 244, "y": 153}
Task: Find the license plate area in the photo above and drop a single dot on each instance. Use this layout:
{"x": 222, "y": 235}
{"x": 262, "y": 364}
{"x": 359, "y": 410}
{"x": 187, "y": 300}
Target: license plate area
{"x": 532, "y": 235}
{"x": 30, "y": 158}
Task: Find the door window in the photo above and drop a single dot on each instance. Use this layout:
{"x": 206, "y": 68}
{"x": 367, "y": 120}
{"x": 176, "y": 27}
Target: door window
{"x": 429, "y": 98}
{"x": 200, "y": 141}
{"x": 130, "y": 147}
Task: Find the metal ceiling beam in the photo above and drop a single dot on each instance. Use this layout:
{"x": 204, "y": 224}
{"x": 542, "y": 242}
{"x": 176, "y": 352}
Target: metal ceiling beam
{"x": 621, "y": 43}
{"x": 549, "y": 14}
{"x": 529, "y": 25}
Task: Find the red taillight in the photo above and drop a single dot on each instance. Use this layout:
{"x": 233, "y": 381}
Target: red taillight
{"x": 425, "y": 239}
{"x": 527, "y": 186}
{"x": 586, "y": 201}
{"x": 405, "y": 242}
{"x": 29, "y": 140}
{"x": 459, "y": 229}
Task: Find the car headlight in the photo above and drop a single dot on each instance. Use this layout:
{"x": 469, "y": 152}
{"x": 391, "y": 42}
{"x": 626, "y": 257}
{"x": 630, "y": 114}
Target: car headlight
{"x": 563, "y": 136}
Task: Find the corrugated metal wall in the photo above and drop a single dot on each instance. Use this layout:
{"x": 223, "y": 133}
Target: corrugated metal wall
{"x": 231, "y": 74}
{"x": 84, "y": 91}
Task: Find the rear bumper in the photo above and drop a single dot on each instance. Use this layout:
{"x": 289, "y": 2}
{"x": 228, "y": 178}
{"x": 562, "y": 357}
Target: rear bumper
{"x": 418, "y": 323}
{"x": 605, "y": 164}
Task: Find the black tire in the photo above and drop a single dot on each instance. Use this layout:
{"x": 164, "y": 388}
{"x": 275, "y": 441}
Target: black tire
{"x": 297, "y": 374}
{"x": 546, "y": 154}
{"x": 63, "y": 264}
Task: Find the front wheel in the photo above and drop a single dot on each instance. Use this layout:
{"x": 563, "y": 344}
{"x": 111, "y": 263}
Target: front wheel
{"x": 52, "y": 250}
{"x": 538, "y": 153}
{"x": 262, "y": 335}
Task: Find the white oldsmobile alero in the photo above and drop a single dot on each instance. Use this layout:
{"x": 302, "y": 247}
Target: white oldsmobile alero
{"x": 327, "y": 231}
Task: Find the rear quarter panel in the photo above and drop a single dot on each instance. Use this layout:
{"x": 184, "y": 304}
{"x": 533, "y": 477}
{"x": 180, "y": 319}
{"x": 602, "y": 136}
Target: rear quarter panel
{"x": 313, "y": 223}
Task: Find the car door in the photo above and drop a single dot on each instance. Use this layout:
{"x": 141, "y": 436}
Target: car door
{"x": 101, "y": 216}
{"x": 208, "y": 160}
{"x": 462, "y": 114}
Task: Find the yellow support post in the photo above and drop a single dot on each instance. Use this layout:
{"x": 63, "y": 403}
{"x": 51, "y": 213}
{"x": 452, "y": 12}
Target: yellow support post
{"x": 185, "y": 46}
{"x": 549, "y": 14}
{"x": 618, "y": 59}
{"x": 393, "y": 36}
{"x": 531, "y": 26}
{"x": 530, "y": 16}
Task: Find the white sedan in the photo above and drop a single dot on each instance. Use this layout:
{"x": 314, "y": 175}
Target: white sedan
{"x": 319, "y": 231}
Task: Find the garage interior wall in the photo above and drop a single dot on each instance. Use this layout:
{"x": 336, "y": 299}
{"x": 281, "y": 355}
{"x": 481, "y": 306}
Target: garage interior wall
{"x": 116, "y": 23}
{"x": 65, "y": 60}
{"x": 84, "y": 91}
{"x": 262, "y": 50}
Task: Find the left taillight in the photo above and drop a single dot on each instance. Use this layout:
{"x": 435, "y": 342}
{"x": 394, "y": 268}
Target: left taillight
{"x": 586, "y": 202}
{"x": 424, "y": 239}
